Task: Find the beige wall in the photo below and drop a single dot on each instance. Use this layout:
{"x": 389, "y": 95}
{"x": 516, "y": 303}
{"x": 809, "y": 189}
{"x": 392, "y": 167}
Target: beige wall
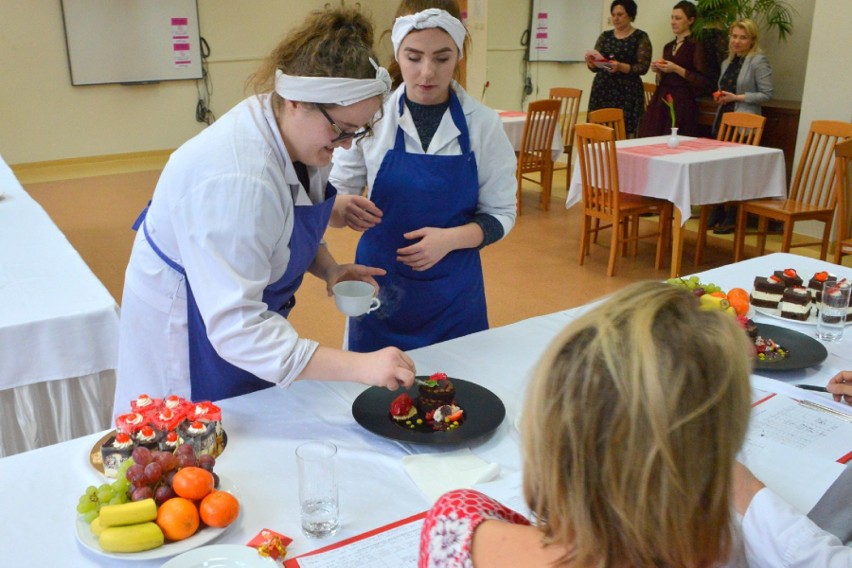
{"x": 45, "y": 118}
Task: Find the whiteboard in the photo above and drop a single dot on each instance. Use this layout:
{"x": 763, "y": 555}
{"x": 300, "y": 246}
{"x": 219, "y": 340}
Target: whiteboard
{"x": 563, "y": 30}
{"x": 131, "y": 41}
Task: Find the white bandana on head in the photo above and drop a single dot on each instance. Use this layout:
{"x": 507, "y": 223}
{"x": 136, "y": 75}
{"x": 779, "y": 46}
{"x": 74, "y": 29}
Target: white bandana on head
{"x": 431, "y": 18}
{"x": 342, "y": 91}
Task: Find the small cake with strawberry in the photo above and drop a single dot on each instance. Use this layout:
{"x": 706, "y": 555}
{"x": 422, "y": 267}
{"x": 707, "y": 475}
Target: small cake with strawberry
{"x": 131, "y": 422}
{"x": 767, "y": 291}
{"x": 116, "y": 450}
{"x": 145, "y": 404}
{"x": 818, "y": 282}
{"x": 149, "y": 437}
{"x": 796, "y": 303}
{"x": 438, "y": 390}
{"x": 171, "y": 441}
{"x": 402, "y": 409}
{"x": 789, "y": 276}
{"x": 201, "y": 436}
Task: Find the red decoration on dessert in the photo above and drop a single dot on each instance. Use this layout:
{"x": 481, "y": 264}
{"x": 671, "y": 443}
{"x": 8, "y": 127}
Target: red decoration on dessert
{"x": 401, "y": 405}
{"x": 791, "y": 272}
{"x": 131, "y": 422}
{"x": 821, "y": 276}
{"x": 206, "y": 411}
{"x": 122, "y": 438}
{"x": 438, "y": 377}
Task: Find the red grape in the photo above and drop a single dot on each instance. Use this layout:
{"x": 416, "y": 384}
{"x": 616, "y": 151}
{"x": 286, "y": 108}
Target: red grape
{"x": 163, "y": 494}
{"x": 141, "y": 456}
{"x": 153, "y": 473}
{"x": 187, "y": 460}
{"x": 135, "y": 474}
{"x": 206, "y": 462}
{"x": 142, "y": 493}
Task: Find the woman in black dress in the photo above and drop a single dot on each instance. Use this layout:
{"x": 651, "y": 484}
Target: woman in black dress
{"x": 619, "y": 83}
{"x": 681, "y": 73}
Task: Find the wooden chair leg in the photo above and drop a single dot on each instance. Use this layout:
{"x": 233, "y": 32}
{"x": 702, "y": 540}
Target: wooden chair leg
{"x": 624, "y": 227}
{"x": 613, "y": 248}
{"x": 739, "y": 234}
{"x": 701, "y": 241}
{"x": 597, "y": 228}
{"x": 661, "y": 239}
{"x": 634, "y": 233}
{"x": 787, "y": 239}
{"x": 826, "y": 234}
{"x": 546, "y": 183}
{"x": 584, "y": 238}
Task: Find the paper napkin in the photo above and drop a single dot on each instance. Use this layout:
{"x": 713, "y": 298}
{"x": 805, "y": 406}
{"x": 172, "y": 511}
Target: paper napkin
{"x": 435, "y": 474}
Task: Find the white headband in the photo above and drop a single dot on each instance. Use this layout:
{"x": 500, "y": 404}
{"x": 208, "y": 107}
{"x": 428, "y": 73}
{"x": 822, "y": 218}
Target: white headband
{"x": 341, "y": 91}
{"x": 431, "y": 18}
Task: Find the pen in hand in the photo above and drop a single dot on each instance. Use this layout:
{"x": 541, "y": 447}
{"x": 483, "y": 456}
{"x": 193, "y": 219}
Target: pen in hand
{"x": 813, "y": 388}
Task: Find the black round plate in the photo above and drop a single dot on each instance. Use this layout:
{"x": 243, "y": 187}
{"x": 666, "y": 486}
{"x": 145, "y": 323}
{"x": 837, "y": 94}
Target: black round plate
{"x": 483, "y": 414}
{"x": 803, "y": 351}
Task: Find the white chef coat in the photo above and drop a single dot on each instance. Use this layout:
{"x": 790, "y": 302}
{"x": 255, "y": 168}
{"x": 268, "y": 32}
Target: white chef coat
{"x": 223, "y": 210}
{"x": 356, "y": 167}
{"x": 778, "y": 536}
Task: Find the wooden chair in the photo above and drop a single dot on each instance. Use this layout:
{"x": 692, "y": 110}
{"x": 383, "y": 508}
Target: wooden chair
{"x": 650, "y": 89}
{"x": 570, "y": 99}
{"x": 740, "y": 127}
{"x": 603, "y": 201}
{"x": 611, "y": 117}
{"x": 843, "y": 173}
{"x": 812, "y": 197}
{"x": 536, "y": 152}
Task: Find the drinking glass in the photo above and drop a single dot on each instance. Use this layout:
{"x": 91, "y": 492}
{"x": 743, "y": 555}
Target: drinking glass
{"x": 833, "y": 307}
{"x": 318, "y": 494}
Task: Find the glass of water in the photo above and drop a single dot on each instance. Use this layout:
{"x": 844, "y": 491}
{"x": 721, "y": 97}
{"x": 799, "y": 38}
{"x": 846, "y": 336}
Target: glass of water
{"x": 318, "y": 495}
{"x": 833, "y": 307}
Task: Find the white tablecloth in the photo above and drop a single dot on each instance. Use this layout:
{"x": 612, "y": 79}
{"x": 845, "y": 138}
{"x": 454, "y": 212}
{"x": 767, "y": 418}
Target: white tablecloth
{"x": 724, "y": 172}
{"x": 42, "y": 487}
{"x": 513, "y": 124}
{"x": 57, "y": 323}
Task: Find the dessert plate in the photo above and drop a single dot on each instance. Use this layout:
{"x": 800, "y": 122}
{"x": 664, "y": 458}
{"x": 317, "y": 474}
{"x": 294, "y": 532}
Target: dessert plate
{"x": 802, "y": 350}
{"x": 776, "y": 313}
{"x": 221, "y": 556}
{"x": 483, "y": 410}
{"x": 87, "y": 539}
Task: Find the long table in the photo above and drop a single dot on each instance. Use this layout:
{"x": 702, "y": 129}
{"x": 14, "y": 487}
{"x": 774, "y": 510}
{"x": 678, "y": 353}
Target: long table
{"x": 700, "y": 171}
{"x": 58, "y": 331}
{"x": 41, "y": 487}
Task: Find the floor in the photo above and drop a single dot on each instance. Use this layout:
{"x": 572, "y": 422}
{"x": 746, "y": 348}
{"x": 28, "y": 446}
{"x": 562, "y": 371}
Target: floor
{"x": 533, "y": 271}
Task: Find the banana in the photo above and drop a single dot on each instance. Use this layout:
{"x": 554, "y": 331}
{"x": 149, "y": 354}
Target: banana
{"x": 709, "y": 302}
{"x": 131, "y": 538}
{"x": 128, "y": 513}
{"x": 96, "y": 527}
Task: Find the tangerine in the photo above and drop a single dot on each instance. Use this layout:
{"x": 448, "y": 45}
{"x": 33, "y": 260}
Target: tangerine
{"x": 219, "y": 509}
{"x": 192, "y": 482}
{"x": 178, "y": 518}
{"x": 739, "y": 299}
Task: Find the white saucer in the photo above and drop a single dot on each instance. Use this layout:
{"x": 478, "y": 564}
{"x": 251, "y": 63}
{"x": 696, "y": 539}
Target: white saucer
{"x": 221, "y": 556}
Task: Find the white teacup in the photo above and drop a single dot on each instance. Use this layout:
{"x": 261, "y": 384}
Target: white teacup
{"x": 355, "y": 298}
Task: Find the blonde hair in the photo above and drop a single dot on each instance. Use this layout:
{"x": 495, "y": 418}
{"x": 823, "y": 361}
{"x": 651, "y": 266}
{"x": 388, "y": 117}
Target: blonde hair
{"x": 329, "y": 43}
{"x": 751, "y": 29}
{"x": 630, "y": 430}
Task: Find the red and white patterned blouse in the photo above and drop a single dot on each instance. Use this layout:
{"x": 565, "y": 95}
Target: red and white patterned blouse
{"x": 449, "y": 525}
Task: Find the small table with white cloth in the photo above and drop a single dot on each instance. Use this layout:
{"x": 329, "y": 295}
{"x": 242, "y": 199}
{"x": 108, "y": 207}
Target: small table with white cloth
{"x": 58, "y": 331}
{"x": 699, "y": 171}
{"x": 513, "y": 123}
{"x": 264, "y": 428}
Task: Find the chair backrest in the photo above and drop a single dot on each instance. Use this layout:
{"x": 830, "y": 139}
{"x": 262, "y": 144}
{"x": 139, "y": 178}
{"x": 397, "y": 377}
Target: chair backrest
{"x": 814, "y": 180}
{"x": 570, "y": 99}
{"x": 650, "y": 89}
{"x": 741, "y": 127}
{"x": 612, "y": 117}
{"x": 843, "y": 175}
{"x": 537, "y": 142}
{"x": 598, "y": 168}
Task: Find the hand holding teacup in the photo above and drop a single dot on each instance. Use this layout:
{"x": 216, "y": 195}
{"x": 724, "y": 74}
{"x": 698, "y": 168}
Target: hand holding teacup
{"x": 355, "y": 298}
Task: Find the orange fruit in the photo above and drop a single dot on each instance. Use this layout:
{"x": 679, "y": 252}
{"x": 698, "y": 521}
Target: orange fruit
{"x": 192, "y": 482}
{"x": 178, "y": 518}
{"x": 219, "y": 509}
{"x": 718, "y": 294}
{"x": 739, "y": 299}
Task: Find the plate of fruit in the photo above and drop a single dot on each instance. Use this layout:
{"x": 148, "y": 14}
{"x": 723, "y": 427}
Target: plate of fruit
{"x": 161, "y": 504}
{"x": 711, "y": 296}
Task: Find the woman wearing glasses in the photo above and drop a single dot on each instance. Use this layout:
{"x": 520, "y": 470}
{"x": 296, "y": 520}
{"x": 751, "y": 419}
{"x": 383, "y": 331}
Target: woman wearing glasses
{"x": 439, "y": 172}
{"x": 235, "y": 223}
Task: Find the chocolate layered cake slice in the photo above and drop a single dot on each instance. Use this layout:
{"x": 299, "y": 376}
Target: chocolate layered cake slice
{"x": 817, "y": 282}
{"x": 789, "y": 276}
{"x": 767, "y": 292}
{"x": 437, "y": 391}
{"x": 796, "y": 303}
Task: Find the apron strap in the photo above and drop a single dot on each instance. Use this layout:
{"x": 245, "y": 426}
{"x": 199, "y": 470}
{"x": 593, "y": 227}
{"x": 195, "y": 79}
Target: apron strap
{"x": 458, "y": 119}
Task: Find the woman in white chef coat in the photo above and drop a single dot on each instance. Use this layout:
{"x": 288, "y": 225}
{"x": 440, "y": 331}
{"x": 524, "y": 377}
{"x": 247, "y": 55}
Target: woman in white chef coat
{"x": 440, "y": 178}
{"x": 237, "y": 219}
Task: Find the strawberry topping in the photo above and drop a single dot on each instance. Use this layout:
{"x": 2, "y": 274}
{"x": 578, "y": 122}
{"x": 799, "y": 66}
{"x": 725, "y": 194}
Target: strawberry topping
{"x": 401, "y": 405}
{"x": 438, "y": 377}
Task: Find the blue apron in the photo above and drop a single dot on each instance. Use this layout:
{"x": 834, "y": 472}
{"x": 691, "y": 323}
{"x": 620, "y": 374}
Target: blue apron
{"x": 211, "y": 377}
{"x": 415, "y": 191}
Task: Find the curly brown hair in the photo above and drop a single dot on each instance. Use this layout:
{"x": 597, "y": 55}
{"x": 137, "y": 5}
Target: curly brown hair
{"x": 329, "y": 43}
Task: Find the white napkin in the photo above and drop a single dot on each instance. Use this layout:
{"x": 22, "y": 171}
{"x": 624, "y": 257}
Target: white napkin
{"x": 435, "y": 474}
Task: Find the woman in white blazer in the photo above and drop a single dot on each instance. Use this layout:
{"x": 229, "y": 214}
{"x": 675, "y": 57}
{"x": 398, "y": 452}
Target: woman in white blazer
{"x": 745, "y": 83}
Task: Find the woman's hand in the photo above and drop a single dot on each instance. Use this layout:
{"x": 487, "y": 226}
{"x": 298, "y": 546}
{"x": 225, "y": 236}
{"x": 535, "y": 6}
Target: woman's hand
{"x": 389, "y": 368}
{"x": 356, "y": 212}
{"x": 726, "y": 97}
{"x": 434, "y": 244}
{"x": 840, "y": 385}
{"x": 613, "y": 66}
{"x": 746, "y": 486}
{"x": 343, "y": 272}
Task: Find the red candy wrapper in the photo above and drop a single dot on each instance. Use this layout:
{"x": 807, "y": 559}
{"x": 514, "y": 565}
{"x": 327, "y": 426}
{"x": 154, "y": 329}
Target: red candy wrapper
{"x": 271, "y": 544}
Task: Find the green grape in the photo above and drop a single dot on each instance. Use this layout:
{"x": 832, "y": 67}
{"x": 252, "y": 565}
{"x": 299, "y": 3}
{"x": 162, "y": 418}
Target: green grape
{"x": 91, "y": 490}
{"x": 116, "y": 499}
{"x": 90, "y": 516}
{"x": 125, "y": 465}
{"x": 86, "y": 506}
{"x": 120, "y": 485}
{"x": 105, "y": 494}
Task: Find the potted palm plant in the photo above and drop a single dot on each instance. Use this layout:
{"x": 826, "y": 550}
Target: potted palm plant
{"x": 771, "y": 15}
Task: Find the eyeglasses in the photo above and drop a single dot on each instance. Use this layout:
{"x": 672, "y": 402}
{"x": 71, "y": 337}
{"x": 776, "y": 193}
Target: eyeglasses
{"x": 342, "y": 134}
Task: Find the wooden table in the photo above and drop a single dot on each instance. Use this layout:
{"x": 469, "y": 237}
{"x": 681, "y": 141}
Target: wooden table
{"x": 699, "y": 171}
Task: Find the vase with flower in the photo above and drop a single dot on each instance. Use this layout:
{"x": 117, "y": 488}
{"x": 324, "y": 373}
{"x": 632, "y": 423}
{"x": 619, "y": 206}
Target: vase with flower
{"x": 673, "y": 141}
